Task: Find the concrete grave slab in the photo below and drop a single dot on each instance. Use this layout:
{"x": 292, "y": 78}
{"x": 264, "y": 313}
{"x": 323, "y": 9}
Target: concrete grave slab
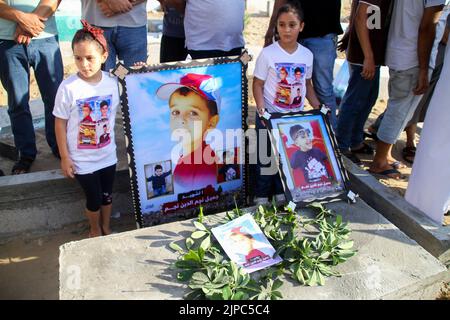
{"x": 413, "y": 222}
{"x": 137, "y": 264}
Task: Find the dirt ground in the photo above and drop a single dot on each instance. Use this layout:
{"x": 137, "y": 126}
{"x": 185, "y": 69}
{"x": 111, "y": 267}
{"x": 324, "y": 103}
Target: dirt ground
{"x": 29, "y": 264}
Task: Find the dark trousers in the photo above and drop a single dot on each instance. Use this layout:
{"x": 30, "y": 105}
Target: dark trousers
{"x": 16, "y": 60}
{"x": 97, "y": 187}
{"x": 203, "y": 54}
{"x": 360, "y": 97}
{"x": 172, "y": 49}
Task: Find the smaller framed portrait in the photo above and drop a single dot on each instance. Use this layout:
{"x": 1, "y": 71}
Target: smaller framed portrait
{"x": 159, "y": 179}
{"x": 228, "y": 168}
{"x": 310, "y": 168}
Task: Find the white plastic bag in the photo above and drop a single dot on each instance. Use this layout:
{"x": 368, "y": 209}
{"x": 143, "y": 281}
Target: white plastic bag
{"x": 340, "y": 82}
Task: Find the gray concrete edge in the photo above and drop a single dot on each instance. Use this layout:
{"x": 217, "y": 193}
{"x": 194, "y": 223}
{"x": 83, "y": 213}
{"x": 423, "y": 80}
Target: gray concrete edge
{"x": 422, "y": 290}
{"x": 413, "y": 222}
{"x": 45, "y": 201}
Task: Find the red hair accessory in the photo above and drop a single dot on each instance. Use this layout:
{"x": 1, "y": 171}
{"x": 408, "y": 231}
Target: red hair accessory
{"x": 97, "y": 33}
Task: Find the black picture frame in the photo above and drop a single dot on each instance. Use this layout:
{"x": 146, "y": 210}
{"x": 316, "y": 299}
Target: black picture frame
{"x": 224, "y": 195}
{"x": 317, "y": 175}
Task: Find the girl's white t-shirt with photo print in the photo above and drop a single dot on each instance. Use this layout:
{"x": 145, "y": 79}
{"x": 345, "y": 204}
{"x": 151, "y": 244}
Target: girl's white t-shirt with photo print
{"x": 285, "y": 77}
{"x": 90, "y": 111}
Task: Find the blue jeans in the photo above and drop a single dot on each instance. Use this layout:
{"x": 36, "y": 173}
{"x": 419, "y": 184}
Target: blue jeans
{"x": 159, "y": 191}
{"x": 44, "y": 56}
{"x": 360, "y": 97}
{"x": 127, "y": 44}
{"x": 266, "y": 184}
{"x": 324, "y": 51}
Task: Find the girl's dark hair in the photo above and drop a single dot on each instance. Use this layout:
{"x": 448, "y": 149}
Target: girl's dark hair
{"x": 84, "y": 35}
{"x": 293, "y": 7}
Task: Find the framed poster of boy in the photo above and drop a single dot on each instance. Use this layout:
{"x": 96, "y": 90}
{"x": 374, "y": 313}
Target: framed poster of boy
{"x": 309, "y": 166}
{"x": 184, "y": 123}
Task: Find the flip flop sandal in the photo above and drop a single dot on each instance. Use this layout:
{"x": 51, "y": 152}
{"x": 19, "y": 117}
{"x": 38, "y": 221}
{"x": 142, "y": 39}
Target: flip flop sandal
{"x": 398, "y": 165}
{"x": 371, "y": 135}
{"x": 365, "y": 149}
{"x": 386, "y": 173}
{"x": 22, "y": 166}
{"x": 408, "y": 154}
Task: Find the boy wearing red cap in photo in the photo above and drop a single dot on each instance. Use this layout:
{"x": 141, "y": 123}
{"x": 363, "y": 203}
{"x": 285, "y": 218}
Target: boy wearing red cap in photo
{"x": 246, "y": 242}
{"x": 87, "y": 110}
{"x": 194, "y": 105}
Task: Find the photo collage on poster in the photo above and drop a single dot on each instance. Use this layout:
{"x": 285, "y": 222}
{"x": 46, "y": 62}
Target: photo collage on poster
{"x": 93, "y": 129}
{"x": 187, "y": 137}
{"x": 309, "y": 164}
{"x": 291, "y": 88}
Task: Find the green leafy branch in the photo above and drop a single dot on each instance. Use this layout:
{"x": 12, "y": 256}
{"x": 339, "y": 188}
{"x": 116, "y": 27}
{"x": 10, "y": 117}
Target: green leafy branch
{"x": 307, "y": 260}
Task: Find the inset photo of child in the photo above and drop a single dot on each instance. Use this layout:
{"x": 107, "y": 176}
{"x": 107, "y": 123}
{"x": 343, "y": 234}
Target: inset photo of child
{"x": 159, "y": 179}
{"x": 228, "y": 168}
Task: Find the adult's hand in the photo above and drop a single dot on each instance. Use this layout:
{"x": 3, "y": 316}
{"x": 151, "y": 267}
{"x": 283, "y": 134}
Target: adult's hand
{"x": 21, "y": 37}
{"x": 368, "y": 72}
{"x": 113, "y": 7}
{"x": 423, "y": 83}
{"x": 343, "y": 43}
{"x": 31, "y": 23}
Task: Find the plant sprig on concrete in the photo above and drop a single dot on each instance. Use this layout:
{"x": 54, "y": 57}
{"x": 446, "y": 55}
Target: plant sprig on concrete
{"x": 207, "y": 272}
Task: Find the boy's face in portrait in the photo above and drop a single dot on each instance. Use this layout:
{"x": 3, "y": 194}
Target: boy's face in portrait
{"x": 190, "y": 111}
{"x": 298, "y": 75}
{"x": 283, "y": 74}
{"x": 86, "y": 111}
{"x": 303, "y": 140}
{"x": 104, "y": 111}
{"x": 243, "y": 243}
{"x": 158, "y": 172}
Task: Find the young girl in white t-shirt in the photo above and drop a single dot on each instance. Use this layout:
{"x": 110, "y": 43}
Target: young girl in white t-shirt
{"x": 282, "y": 81}
{"x": 85, "y": 109}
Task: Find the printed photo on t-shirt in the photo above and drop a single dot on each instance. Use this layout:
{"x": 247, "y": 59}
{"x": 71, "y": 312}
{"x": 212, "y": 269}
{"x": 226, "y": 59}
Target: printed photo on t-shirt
{"x": 94, "y": 114}
{"x": 291, "y": 83}
{"x": 228, "y": 168}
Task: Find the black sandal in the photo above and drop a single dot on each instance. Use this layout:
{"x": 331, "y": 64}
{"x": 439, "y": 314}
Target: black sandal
{"x": 371, "y": 135}
{"x": 1, "y": 173}
{"x": 365, "y": 149}
{"x": 22, "y": 166}
{"x": 408, "y": 154}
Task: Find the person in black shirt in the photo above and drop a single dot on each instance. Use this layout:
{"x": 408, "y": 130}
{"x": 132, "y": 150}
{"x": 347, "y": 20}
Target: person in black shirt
{"x": 159, "y": 180}
{"x": 322, "y": 26}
